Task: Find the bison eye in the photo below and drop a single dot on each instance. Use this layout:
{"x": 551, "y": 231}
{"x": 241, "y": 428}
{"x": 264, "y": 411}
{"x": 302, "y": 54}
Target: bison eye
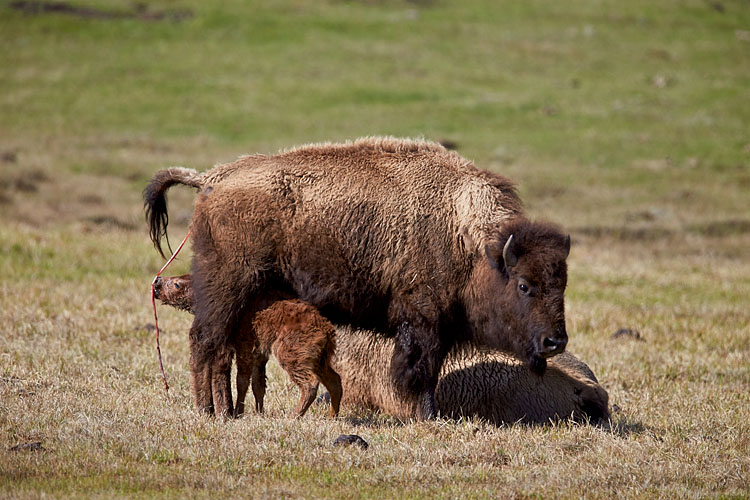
{"x": 177, "y": 286}
{"x": 524, "y": 287}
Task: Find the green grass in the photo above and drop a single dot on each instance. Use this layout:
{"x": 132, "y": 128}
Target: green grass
{"x": 627, "y": 123}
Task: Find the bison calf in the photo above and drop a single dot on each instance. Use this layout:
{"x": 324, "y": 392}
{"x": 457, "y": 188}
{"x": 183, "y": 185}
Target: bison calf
{"x": 293, "y": 331}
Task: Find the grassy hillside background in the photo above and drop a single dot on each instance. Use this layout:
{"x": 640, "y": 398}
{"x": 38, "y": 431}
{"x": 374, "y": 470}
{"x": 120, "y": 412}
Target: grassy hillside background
{"x": 626, "y": 122}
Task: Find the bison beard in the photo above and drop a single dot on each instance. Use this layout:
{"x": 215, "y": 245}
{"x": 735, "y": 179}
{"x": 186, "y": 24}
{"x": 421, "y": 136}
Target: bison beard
{"x": 401, "y": 236}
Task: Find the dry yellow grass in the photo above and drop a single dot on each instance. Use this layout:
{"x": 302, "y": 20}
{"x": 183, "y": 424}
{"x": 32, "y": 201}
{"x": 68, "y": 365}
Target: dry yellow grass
{"x": 78, "y": 374}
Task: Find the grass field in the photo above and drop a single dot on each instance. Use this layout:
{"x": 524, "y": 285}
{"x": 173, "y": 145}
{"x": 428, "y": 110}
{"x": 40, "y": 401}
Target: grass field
{"x": 626, "y": 122}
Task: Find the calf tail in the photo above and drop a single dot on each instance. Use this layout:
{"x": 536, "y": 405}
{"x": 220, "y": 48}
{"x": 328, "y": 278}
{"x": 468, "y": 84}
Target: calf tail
{"x": 155, "y": 200}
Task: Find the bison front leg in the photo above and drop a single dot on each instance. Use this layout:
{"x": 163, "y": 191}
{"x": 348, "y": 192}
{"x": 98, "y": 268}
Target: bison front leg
{"x": 415, "y": 367}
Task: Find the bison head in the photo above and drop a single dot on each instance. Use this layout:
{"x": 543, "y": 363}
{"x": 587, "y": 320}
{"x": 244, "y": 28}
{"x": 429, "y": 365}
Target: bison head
{"x": 519, "y": 292}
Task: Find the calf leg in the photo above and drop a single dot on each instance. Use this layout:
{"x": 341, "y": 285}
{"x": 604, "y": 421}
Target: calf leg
{"x": 302, "y": 374}
{"x": 308, "y": 391}
{"x": 332, "y": 382}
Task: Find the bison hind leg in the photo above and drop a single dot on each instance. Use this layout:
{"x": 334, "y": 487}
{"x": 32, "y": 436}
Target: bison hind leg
{"x": 259, "y": 381}
{"x": 200, "y": 375}
{"x": 218, "y": 301}
{"x": 247, "y": 361}
{"x": 221, "y": 383}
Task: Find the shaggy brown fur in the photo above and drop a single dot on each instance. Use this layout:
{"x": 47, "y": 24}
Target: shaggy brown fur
{"x": 403, "y": 236}
{"x": 473, "y": 382}
{"x": 294, "y": 332}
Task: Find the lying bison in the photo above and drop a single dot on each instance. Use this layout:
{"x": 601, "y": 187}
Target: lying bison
{"x": 474, "y": 382}
{"x": 402, "y": 236}
{"x": 298, "y": 336}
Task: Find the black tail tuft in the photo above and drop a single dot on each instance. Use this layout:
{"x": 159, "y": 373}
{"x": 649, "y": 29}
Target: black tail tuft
{"x": 155, "y": 201}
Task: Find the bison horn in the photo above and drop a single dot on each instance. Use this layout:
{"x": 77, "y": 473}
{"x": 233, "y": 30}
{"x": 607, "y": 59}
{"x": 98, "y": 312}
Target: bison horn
{"x": 567, "y": 246}
{"x": 509, "y": 257}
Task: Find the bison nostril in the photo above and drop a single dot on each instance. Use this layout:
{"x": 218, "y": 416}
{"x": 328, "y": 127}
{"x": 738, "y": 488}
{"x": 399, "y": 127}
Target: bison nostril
{"x": 548, "y": 342}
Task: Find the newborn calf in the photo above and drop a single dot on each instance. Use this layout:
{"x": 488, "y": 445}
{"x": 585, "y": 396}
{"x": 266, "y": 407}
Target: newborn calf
{"x": 293, "y": 331}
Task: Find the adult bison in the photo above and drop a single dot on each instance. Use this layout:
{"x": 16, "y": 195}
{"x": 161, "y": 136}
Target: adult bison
{"x": 397, "y": 235}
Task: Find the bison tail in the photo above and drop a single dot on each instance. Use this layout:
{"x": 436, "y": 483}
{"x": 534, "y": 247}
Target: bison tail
{"x": 155, "y": 200}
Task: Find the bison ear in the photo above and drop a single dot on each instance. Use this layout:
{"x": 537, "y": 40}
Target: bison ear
{"x": 567, "y": 246}
{"x": 492, "y": 250}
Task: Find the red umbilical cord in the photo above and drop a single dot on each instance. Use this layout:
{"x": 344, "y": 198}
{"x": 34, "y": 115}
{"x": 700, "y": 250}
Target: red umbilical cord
{"x": 153, "y": 303}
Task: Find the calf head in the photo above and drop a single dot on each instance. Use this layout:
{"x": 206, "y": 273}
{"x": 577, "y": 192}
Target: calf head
{"x": 176, "y": 291}
{"x": 520, "y": 292}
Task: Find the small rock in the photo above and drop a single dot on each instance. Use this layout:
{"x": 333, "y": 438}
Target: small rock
{"x": 629, "y": 333}
{"x": 350, "y": 439}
